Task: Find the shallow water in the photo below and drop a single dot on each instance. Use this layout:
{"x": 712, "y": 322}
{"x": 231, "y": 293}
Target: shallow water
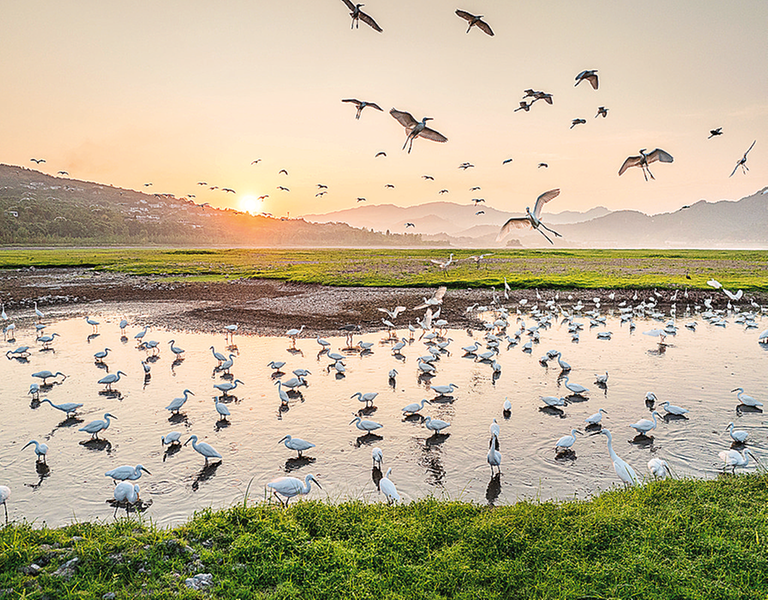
{"x": 696, "y": 370}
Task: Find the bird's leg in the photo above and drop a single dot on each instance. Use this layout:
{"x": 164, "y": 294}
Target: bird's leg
{"x": 548, "y": 229}
{"x": 545, "y": 236}
{"x": 5, "y": 506}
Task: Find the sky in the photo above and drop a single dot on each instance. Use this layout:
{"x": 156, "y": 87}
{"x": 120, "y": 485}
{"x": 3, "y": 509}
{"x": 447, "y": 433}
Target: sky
{"x": 177, "y": 92}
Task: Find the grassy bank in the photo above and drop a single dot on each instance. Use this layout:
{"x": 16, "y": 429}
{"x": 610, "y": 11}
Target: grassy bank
{"x": 404, "y": 268}
{"x": 669, "y": 539}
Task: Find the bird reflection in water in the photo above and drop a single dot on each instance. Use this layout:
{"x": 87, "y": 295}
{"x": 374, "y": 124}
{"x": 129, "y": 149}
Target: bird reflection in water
{"x": 493, "y": 490}
{"x": 171, "y": 450}
{"x": 206, "y": 473}
{"x": 98, "y": 444}
{"x": 43, "y": 472}
{"x": 295, "y": 463}
{"x": 367, "y": 439}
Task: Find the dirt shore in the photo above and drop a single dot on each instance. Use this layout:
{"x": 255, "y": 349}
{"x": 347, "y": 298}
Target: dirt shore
{"x": 271, "y": 307}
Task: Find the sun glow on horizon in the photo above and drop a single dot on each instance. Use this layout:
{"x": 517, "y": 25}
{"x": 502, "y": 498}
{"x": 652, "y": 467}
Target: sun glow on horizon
{"x": 249, "y": 204}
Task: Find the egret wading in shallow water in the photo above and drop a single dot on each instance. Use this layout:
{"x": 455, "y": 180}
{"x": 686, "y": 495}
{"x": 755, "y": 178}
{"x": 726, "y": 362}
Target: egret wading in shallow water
{"x": 98, "y": 425}
{"x": 746, "y": 400}
{"x": 412, "y": 409}
{"x": 221, "y": 408}
{"x": 206, "y": 450}
{"x": 5, "y": 493}
{"x": 297, "y": 444}
{"x": 643, "y": 426}
{"x": 575, "y": 388}
{"x": 40, "y": 449}
{"x": 46, "y": 375}
{"x": 126, "y": 493}
{"x": 388, "y": 488}
{"x": 126, "y": 472}
{"x": 494, "y": 456}
{"x": 596, "y": 418}
{"x": 673, "y": 410}
{"x": 227, "y": 387}
{"x": 111, "y": 379}
{"x": 377, "y": 455}
{"x": 623, "y": 470}
{"x": 365, "y": 425}
{"x": 171, "y": 439}
{"x": 68, "y": 408}
{"x": 733, "y": 459}
{"x": 177, "y": 403}
{"x": 737, "y": 435}
{"x": 435, "y": 425}
{"x": 367, "y": 397}
{"x": 288, "y": 487}
{"x": 567, "y": 441}
{"x": 658, "y": 468}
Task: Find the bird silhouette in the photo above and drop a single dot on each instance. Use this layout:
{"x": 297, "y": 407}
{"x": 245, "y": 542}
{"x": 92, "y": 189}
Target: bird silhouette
{"x": 416, "y": 128}
{"x": 742, "y": 162}
{"x": 590, "y": 76}
{"x": 475, "y": 21}
{"x": 645, "y": 159}
{"x": 601, "y": 112}
{"x": 361, "y": 105}
{"x": 715, "y": 132}
{"x": 358, "y": 15}
{"x": 577, "y": 122}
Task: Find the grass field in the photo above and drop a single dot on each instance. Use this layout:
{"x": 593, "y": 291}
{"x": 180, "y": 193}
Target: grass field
{"x": 667, "y": 539}
{"x": 409, "y": 268}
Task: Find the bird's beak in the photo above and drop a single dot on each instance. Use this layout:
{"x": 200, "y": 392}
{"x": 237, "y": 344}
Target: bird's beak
{"x": 143, "y": 469}
{"x": 317, "y": 483}
{"x": 281, "y": 441}
{"x": 187, "y": 442}
{"x": 579, "y": 432}
{"x": 735, "y": 390}
{"x": 353, "y": 420}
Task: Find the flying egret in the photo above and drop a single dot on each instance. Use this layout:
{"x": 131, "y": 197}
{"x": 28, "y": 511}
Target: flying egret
{"x": 171, "y": 439}
{"x": 98, "y": 425}
{"x": 746, "y": 400}
{"x": 127, "y": 493}
{"x": 643, "y": 426}
{"x": 206, "y": 450}
{"x": 366, "y": 397}
{"x": 377, "y": 455}
{"x": 435, "y": 425}
{"x": 227, "y": 387}
{"x": 291, "y": 486}
{"x": 672, "y": 409}
{"x": 177, "y": 403}
{"x": 715, "y": 132}
{"x": 416, "y": 128}
{"x": 68, "y": 408}
{"x": 733, "y": 458}
{"x": 623, "y": 470}
{"x": 358, "y": 15}
{"x": 297, "y": 444}
{"x": 742, "y": 162}
{"x": 494, "y": 456}
{"x": 602, "y": 112}
{"x": 645, "y": 159}
{"x": 590, "y": 75}
{"x": 126, "y": 472}
{"x": 5, "y": 493}
{"x": 111, "y": 379}
{"x": 575, "y": 122}
{"x": 475, "y": 21}
{"x": 221, "y": 408}
{"x": 737, "y": 435}
{"x": 565, "y": 442}
{"x": 365, "y": 425}
{"x": 414, "y": 408}
{"x": 658, "y": 468}
{"x": 40, "y": 449}
{"x": 361, "y": 104}
{"x": 532, "y": 219}
{"x": 596, "y": 418}
{"x": 575, "y": 388}
{"x": 45, "y": 375}
{"x": 388, "y": 488}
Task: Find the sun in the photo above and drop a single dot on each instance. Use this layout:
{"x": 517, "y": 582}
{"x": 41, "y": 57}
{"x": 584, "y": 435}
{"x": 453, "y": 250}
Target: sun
{"x": 249, "y": 204}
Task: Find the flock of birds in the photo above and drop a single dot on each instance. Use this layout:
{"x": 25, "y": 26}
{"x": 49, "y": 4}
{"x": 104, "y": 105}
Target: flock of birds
{"x": 506, "y": 328}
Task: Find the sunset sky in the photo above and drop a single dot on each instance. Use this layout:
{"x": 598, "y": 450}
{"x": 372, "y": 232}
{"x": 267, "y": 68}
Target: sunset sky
{"x": 177, "y": 92}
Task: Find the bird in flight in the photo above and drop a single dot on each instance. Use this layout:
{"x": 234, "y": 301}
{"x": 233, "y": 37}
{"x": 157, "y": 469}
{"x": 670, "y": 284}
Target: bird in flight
{"x": 428, "y": 177}
{"x": 62, "y": 173}
{"x": 507, "y": 161}
{"x": 545, "y": 165}
{"x": 361, "y": 105}
{"x": 264, "y": 197}
{"x": 416, "y": 128}
{"x": 283, "y": 189}
{"x": 282, "y": 171}
{"x": 478, "y": 200}
{"x": 230, "y": 190}
{"x": 443, "y": 192}
{"x": 480, "y": 212}
{"x": 590, "y": 76}
{"x": 37, "y": 160}
{"x": 475, "y": 20}
{"x": 147, "y": 184}
{"x": 601, "y": 112}
{"x": 466, "y": 165}
{"x": 382, "y": 153}
{"x": 361, "y": 199}
{"x": 715, "y": 132}
{"x": 742, "y": 162}
{"x": 577, "y": 122}
{"x": 358, "y": 15}
{"x": 320, "y": 186}
{"x": 202, "y": 183}
{"x": 389, "y": 185}
{"x": 474, "y": 188}
{"x": 526, "y": 106}
{"x": 255, "y": 162}
{"x": 319, "y": 194}
{"x": 533, "y": 219}
{"x": 213, "y": 187}
{"x": 410, "y": 225}
{"x": 645, "y": 159}
{"x": 542, "y": 96}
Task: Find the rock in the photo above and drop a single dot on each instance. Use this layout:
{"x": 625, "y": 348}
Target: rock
{"x": 201, "y": 581}
{"x": 67, "y": 570}
{"x": 109, "y": 596}
{"x": 32, "y": 569}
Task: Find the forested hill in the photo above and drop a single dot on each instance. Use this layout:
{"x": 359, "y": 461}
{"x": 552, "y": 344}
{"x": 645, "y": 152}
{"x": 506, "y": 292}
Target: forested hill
{"x": 41, "y": 209}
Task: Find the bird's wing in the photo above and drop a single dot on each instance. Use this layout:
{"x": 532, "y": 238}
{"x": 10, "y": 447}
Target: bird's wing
{"x": 404, "y": 118}
{"x": 352, "y": 100}
{"x": 465, "y": 15}
{"x": 593, "y": 81}
{"x": 438, "y": 295}
{"x": 398, "y": 310}
{"x": 349, "y": 4}
{"x": 433, "y": 135}
{"x": 483, "y": 26}
{"x": 376, "y": 106}
{"x": 660, "y": 155}
{"x": 734, "y": 168}
{"x": 543, "y": 199}
{"x": 750, "y": 148}
{"x": 437, "y": 262}
{"x": 368, "y": 20}
{"x": 632, "y": 161}
{"x": 513, "y": 223}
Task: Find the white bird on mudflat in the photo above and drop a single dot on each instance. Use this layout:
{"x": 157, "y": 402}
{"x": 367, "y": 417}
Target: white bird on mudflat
{"x": 206, "y": 450}
{"x": 276, "y": 365}
{"x": 658, "y": 468}
{"x": 297, "y": 444}
{"x": 494, "y": 456}
{"x": 175, "y": 349}
{"x": 367, "y": 397}
{"x": 392, "y": 374}
{"x": 20, "y": 352}
{"x": 221, "y": 408}
{"x": 177, "y": 403}
{"x": 227, "y": 387}
{"x": 601, "y": 379}
{"x": 34, "y": 391}
{"x": 377, "y": 455}
{"x": 575, "y": 388}
{"x": 565, "y": 442}
{"x": 732, "y": 458}
{"x": 672, "y": 409}
{"x": 93, "y": 323}
{"x": 40, "y": 315}
{"x": 101, "y": 355}
{"x": 291, "y": 486}
{"x": 40, "y": 449}
{"x": 5, "y": 493}
{"x": 596, "y": 418}
{"x": 123, "y": 325}
{"x": 67, "y": 408}
{"x": 126, "y": 493}
{"x": 140, "y": 336}
{"x": 227, "y": 364}
{"x": 171, "y": 439}
{"x": 126, "y": 472}
{"x": 494, "y": 428}
{"x": 45, "y": 375}
{"x": 623, "y": 470}
{"x": 294, "y": 333}
{"x": 564, "y": 366}
{"x": 218, "y": 355}
{"x": 444, "y": 390}
{"x": 388, "y": 488}
{"x": 324, "y": 344}
{"x": 643, "y": 426}
{"x": 737, "y": 435}
{"x": 98, "y": 425}
{"x": 365, "y": 425}
{"x": 412, "y": 409}
{"x": 435, "y": 425}
{"x": 744, "y": 399}
{"x": 507, "y": 406}
{"x": 230, "y": 331}
{"x": 553, "y": 401}
{"x": 46, "y": 340}
{"x": 111, "y": 379}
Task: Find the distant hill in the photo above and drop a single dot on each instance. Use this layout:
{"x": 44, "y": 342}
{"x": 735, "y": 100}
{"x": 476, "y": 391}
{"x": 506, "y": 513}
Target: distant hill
{"x": 36, "y": 208}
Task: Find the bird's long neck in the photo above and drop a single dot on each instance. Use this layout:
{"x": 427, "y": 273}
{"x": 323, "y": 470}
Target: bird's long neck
{"x": 610, "y": 449}
{"x": 307, "y": 484}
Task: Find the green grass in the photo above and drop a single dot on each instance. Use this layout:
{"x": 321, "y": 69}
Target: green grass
{"x": 668, "y": 539}
{"x": 407, "y": 268}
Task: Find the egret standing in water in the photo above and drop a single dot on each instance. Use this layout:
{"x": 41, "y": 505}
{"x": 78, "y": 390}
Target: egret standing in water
{"x": 377, "y": 455}
{"x": 435, "y": 425}
{"x": 221, "y": 408}
{"x": 746, "y": 400}
{"x": 623, "y": 470}
{"x": 227, "y": 387}
{"x": 289, "y": 487}
{"x": 494, "y": 456}
{"x": 40, "y": 449}
{"x": 732, "y": 458}
{"x": 658, "y": 468}
{"x": 177, "y": 403}
{"x": 367, "y": 397}
{"x": 111, "y": 379}
{"x": 126, "y": 472}
{"x": 737, "y": 435}
{"x": 365, "y": 425}
{"x": 206, "y": 450}
{"x": 567, "y": 441}
{"x": 5, "y": 493}
{"x": 412, "y": 409}
{"x": 171, "y": 439}
{"x": 575, "y": 388}
{"x": 98, "y": 425}
{"x": 126, "y": 493}
{"x": 297, "y": 444}
{"x": 388, "y": 488}
{"x": 68, "y": 408}
{"x": 643, "y": 426}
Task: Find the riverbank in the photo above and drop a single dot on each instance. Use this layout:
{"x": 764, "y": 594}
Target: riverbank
{"x": 667, "y": 539}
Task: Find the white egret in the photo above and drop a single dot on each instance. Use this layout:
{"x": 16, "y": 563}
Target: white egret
{"x": 364, "y": 346}
{"x": 68, "y": 408}
{"x": 47, "y": 340}
{"x": 40, "y": 449}
{"x": 416, "y": 128}
{"x": 532, "y": 220}
{"x": 140, "y": 336}
{"x": 645, "y": 159}
{"x": 206, "y": 450}
{"x": 111, "y": 379}
{"x": 126, "y": 493}
{"x": 444, "y": 390}
{"x": 230, "y": 331}
{"x": 643, "y": 426}
{"x": 575, "y": 388}
{"x": 589, "y": 75}
{"x": 564, "y": 366}
{"x": 218, "y": 355}
{"x": 291, "y": 486}
{"x": 475, "y": 21}
{"x": 45, "y": 375}
{"x": 5, "y": 493}
{"x": 177, "y": 403}
{"x": 596, "y": 418}
{"x": 658, "y": 467}
{"x": 301, "y": 372}
{"x": 388, "y": 488}
{"x": 377, "y": 455}
{"x": 227, "y": 387}
{"x": 357, "y": 16}
{"x": 98, "y": 425}
{"x": 360, "y": 104}
{"x": 101, "y": 355}
{"x": 744, "y": 399}
{"x": 20, "y": 352}
{"x": 366, "y": 397}
{"x": 623, "y": 470}
{"x": 494, "y": 456}
{"x": 227, "y": 364}
{"x": 392, "y": 374}
{"x": 221, "y": 408}
{"x": 171, "y": 439}
{"x": 672, "y": 409}
{"x": 601, "y": 379}
{"x": 365, "y": 425}
{"x": 494, "y": 428}
{"x": 176, "y": 350}
{"x": 742, "y": 162}
{"x": 737, "y": 435}
{"x": 294, "y": 382}
{"x": 412, "y": 409}
{"x": 126, "y": 472}
{"x": 435, "y": 425}
{"x": 276, "y": 365}
{"x": 553, "y": 401}
{"x": 507, "y": 406}
{"x": 93, "y": 323}
{"x": 294, "y": 333}
{"x": 123, "y": 325}
{"x": 732, "y": 458}
{"x": 40, "y": 315}
{"x": 324, "y": 344}
{"x": 565, "y": 442}
{"x": 297, "y": 444}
